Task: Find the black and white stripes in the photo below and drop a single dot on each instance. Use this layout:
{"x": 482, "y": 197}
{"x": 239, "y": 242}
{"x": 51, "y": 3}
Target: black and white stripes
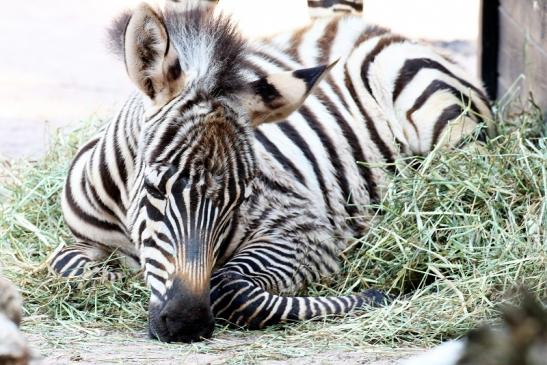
{"x": 237, "y": 181}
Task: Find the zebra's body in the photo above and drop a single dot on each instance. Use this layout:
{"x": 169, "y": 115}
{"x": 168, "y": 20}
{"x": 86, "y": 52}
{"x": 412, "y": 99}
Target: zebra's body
{"x": 386, "y": 97}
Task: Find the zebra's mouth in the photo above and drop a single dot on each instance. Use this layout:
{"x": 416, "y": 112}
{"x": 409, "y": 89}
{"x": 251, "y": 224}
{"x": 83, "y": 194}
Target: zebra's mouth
{"x": 182, "y": 317}
{"x": 161, "y": 328}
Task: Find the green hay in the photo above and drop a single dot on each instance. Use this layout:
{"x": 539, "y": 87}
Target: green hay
{"x": 456, "y": 235}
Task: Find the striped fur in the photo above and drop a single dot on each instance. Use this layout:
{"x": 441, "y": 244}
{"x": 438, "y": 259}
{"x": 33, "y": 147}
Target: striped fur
{"x": 230, "y": 201}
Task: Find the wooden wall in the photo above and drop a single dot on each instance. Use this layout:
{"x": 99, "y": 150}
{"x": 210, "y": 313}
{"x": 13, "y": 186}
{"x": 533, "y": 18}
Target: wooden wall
{"x": 514, "y": 42}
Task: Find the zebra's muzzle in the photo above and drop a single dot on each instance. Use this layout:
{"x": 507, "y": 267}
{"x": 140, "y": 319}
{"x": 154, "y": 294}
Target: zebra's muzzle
{"x": 185, "y": 316}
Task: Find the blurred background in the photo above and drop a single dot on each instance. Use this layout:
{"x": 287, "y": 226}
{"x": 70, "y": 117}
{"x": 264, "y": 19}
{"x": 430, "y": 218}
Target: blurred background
{"x": 55, "y": 70}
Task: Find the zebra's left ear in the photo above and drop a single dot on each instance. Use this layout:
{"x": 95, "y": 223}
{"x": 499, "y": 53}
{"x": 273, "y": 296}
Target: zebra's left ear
{"x": 151, "y": 60}
{"x": 275, "y": 96}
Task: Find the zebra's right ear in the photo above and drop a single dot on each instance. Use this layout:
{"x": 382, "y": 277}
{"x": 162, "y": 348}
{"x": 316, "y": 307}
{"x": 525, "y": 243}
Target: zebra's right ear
{"x": 151, "y": 61}
{"x": 275, "y": 96}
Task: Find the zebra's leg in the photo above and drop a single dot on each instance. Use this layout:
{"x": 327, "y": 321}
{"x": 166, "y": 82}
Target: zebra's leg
{"x": 82, "y": 259}
{"x": 244, "y": 292}
{"x": 239, "y": 300}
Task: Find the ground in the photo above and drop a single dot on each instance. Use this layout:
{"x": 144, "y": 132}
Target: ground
{"x": 67, "y": 345}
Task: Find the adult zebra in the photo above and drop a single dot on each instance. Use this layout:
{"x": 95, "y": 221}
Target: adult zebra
{"x": 228, "y": 213}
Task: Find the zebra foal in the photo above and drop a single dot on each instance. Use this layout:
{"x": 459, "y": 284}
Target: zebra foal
{"x": 231, "y": 175}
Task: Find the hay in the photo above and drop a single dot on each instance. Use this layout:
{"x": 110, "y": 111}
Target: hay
{"x": 455, "y": 235}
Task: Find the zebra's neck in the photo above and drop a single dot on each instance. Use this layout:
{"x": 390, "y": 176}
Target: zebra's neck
{"x": 115, "y": 163}
{"x": 324, "y": 149}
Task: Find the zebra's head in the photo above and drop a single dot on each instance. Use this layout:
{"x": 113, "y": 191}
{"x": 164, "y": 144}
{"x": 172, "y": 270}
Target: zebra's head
{"x": 196, "y": 153}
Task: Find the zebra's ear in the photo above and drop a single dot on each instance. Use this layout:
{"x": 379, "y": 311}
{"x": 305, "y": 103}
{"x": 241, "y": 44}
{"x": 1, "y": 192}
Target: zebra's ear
{"x": 275, "y": 96}
{"x": 151, "y": 61}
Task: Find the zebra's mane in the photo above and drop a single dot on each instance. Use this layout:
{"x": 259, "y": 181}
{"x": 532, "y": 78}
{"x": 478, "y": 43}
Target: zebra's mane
{"x": 116, "y": 33}
{"x": 210, "y": 48}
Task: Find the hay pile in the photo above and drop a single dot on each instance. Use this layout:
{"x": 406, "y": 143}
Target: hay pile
{"x": 456, "y": 234}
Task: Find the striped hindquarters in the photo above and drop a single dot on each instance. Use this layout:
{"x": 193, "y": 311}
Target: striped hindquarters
{"x": 425, "y": 97}
{"x": 387, "y": 97}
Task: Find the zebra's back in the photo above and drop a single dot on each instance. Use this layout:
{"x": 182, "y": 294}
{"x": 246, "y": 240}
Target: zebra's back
{"x": 386, "y": 97}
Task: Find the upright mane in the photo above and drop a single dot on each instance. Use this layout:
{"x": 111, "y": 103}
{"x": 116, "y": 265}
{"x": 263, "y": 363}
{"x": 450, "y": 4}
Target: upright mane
{"x": 210, "y": 48}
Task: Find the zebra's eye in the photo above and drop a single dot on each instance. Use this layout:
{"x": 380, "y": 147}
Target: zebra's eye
{"x": 184, "y": 177}
{"x": 153, "y": 190}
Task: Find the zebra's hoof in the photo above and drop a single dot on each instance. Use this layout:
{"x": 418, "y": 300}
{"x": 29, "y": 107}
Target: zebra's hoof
{"x": 375, "y": 298}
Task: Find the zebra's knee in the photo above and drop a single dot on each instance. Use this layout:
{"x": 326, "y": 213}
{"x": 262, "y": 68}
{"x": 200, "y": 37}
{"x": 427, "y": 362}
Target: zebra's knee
{"x": 68, "y": 262}
{"x": 232, "y": 297}
{"x": 73, "y": 262}
{"x": 223, "y": 283}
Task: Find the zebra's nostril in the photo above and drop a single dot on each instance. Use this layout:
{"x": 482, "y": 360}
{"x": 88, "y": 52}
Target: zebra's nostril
{"x": 163, "y": 321}
{"x": 172, "y": 325}
{"x": 178, "y": 331}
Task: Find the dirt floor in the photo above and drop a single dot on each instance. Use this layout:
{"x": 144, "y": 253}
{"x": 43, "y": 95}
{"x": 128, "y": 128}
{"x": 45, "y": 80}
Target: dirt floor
{"x": 79, "y": 346}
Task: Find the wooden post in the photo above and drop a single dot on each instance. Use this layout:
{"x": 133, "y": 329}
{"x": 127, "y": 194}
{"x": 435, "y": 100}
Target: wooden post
{"x": 489, "y": 46}
{"x": 513, "y": 46}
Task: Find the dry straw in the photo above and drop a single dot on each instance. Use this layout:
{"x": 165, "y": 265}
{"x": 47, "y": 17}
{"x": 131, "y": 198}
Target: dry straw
{"x": 454, "y": 236}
